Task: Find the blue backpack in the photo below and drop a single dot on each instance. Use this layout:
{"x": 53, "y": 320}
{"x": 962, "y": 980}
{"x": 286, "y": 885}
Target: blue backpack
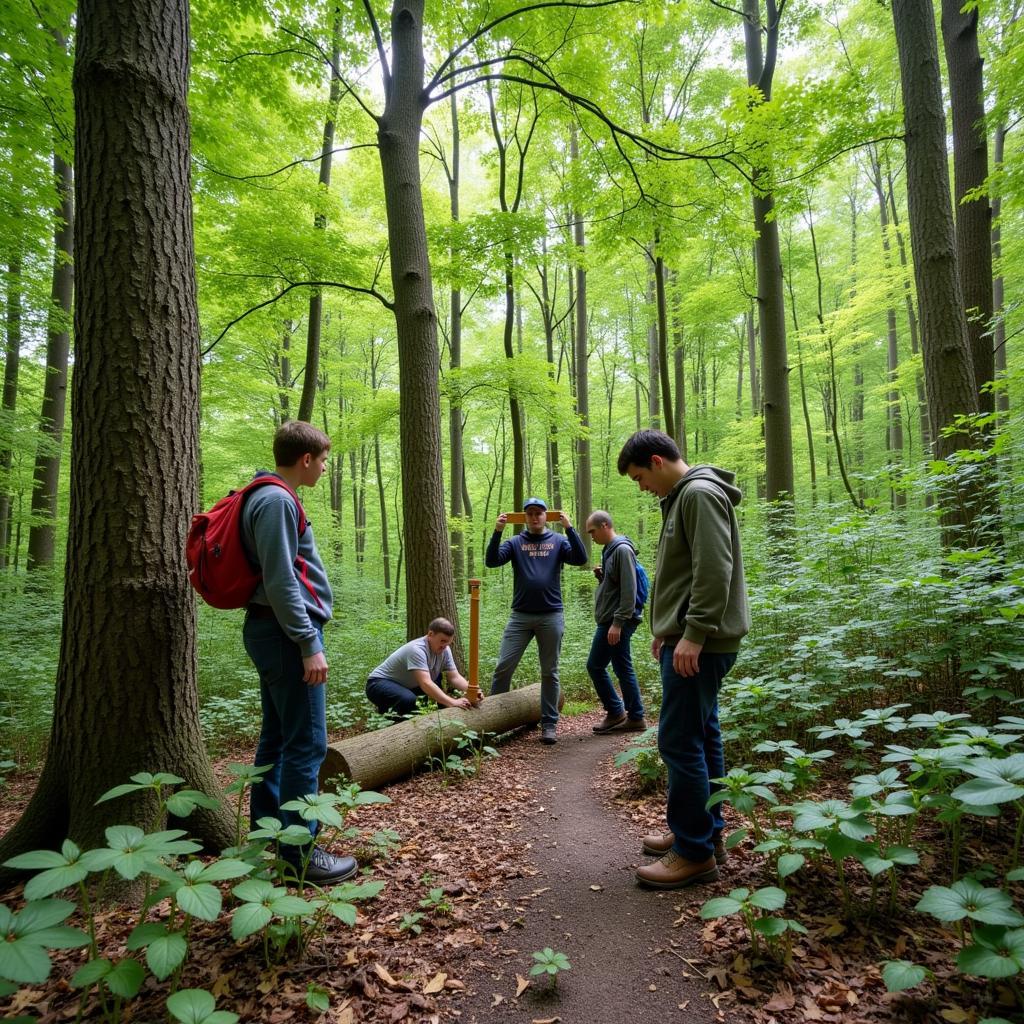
{"x": 643, "y": 590}
{"x": 643, "y": 583}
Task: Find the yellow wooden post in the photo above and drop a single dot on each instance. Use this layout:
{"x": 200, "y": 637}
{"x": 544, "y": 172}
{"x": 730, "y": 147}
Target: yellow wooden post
{"x": 473, "y": 693}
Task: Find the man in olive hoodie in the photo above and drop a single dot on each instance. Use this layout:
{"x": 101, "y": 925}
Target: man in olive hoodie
{"x": 699, "y": 614}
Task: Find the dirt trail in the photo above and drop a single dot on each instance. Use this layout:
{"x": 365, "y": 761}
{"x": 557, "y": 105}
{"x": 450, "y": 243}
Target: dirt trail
{"x": 626, "y": 957}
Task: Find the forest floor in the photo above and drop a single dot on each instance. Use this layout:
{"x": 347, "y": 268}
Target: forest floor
{"x": 538, "y": 850}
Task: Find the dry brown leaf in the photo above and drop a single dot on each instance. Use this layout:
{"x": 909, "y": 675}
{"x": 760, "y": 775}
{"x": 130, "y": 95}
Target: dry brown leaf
{"x": 399, "y": 1012}
{"x": 782, "y": 999}
{"x": 597, "y": 888}
{"x": 547, "y": 1020}
{"x": 268, "y": 982}
{"x": 222, "y": 986}
{"x": 522, "y": 984}
{"x": 350, "y": 958}
{"x": 436, "y": 983}
{"x": 955, "y": 1015}
{"x": 496, "y": 1000}
{"x": 382, "y": 972}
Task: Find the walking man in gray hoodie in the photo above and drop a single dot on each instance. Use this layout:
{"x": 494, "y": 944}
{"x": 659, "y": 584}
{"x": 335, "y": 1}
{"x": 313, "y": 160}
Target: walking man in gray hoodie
{"x": 699, "y": 614}
{"x": 617, "y": 614}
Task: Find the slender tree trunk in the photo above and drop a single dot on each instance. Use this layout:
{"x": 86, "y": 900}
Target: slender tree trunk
{"x": 46, "y": 476}
{"x": 663, "y": 360}
{"x": 898, "y": 495}
{"x": 908, "y": 302}
{"x": 803, "y": 383}
{"x": 679, "y": 367}
{"x": 126, "y": 696}
{"x": 430, "y": 587}
{"x": 857, "y": 400}
{"x": 311, "y": 371}
{"x": 771, "y": 303}
{"x": 998, "y": 297}
{"x": 970, "y": 177}
{"x": 584, "y": 499}
{"x": 949, "y": 370}
{"x": 456, "y": 457}
{"x": 653, "y": 350}
{"x": 9, "y": 401}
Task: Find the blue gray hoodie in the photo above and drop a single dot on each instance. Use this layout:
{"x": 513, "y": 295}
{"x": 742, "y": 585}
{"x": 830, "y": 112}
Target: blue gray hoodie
{"x": 294, "y": 583}
{"x": 537, "y": 566}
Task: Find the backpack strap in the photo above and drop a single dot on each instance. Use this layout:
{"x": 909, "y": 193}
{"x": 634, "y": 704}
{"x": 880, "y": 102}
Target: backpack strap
{"x": 276, "y": 481}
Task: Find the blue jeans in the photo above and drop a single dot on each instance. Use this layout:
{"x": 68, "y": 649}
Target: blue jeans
{"x": 690, "y": 744}
{"x": 621, "y": 659}
{"x": 522, "y": 627}
{"x": 388, "y": 696}
{"x": 293, "y": 738}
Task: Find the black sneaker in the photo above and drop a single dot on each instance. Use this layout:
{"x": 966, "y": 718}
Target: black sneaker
{"x": 326, "y": 869}
{"x": 548, "y": 735}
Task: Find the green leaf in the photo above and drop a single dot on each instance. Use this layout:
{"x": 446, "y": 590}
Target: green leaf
{"x": 988, "y": 791}
{"x": 290, "y": 906}
{"x": 90, "y": 972}
{"x": 41, "y": 914}
{"x": 770, "y": 926}
{"x": 166, "y": 953}
{"x": 36, "y": 860}
{"x": 126, "y": 978}
{"x": 185, "y": 801}
{"x": 721, "y": 906}
{"x": 318, "y": 999}
{"x": 191, "y": 1005}
{"x": 143, "y": 934}
{"x": 249, "y": 919}
{"x": 988, "y": 963}
{"x": 256, "y": 890}
{"x": 222, "y": 870}
{"x": 201, "y": 900}
{"x": 768, "y": 898}
{"x": 968, "y": 898}
{"x": 24, "y": 962}
{"x": 902, "y": 974}
{"x": 790, "y": 862}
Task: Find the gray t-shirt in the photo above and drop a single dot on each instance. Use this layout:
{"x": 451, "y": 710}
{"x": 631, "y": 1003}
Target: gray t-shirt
{"x": 415, "y": 655}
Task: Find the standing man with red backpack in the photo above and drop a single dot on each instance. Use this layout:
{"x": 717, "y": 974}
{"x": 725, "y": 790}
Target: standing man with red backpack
{"x": 618, "y": 609}
{"x": 283, "y": 635}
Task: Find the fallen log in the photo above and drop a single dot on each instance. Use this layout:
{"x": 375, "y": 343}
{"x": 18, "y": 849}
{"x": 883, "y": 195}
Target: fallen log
{"x": 386, "y": 755}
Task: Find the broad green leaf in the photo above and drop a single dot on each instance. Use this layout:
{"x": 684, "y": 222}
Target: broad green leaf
{"x": 256, "y": 890}
{"x": 768, "y": 898}
{"x": 290, "y": 906}
{"x": 126, "y": 978}
{"x": 720, "y": 906}
{"x": 191, "y": 1005}
{"x": 166, "y": 953}
{"x": 143, "y": 934}
{"x": 41, "y": 914}
{"x": 770, "y": 926}
{"x": 988, "y": 963}
{"x": 202, "y": 900}
{"x": 24, "y": 962}
{"x": 249, "y": 919}
{"x": 902, "y": 974}
{"x": 90, "y": 972}
{"x": 790, "y": 862}
{"x": 222, "y": 870}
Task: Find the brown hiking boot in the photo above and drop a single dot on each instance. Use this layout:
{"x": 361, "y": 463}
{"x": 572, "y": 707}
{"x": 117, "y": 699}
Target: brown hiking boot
{"x": 610, "y": 722}
{"x": 660, "y": 843}
{"x": 635, "y": 725}
{"x": 675, "y": 872}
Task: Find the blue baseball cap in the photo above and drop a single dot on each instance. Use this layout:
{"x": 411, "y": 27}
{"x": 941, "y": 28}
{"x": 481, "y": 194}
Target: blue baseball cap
{"x": 535, "y": 501}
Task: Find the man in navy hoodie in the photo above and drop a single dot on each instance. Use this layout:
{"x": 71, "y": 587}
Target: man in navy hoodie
{"x": 537, "y": 556}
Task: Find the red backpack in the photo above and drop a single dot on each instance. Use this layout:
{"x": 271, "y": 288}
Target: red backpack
{"x": 219, "y": 567}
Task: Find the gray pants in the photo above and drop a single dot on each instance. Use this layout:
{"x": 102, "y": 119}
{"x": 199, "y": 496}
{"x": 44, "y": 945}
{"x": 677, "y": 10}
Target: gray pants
{"x": 548, "y": 628}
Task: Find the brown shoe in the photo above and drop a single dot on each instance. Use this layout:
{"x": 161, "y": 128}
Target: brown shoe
{"x": 675, "y": 872}
{"x": 659, "y": 844}
{"x": 610, "y": 723}
{"x": 635, "y": 725}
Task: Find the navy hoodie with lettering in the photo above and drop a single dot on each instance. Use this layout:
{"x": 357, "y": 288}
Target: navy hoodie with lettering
{"x": 537, "y": 566}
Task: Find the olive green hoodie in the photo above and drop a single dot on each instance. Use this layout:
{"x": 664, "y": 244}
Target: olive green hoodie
{"x": 699, "y": 591}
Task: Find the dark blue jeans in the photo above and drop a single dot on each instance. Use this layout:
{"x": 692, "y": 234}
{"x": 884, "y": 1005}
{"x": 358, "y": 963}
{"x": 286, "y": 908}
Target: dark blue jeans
{"x": 690, "y": 744}
{"x": 620, "y": 658}
{"x": 388, "y": 696}
{"x": 293, "y": 738}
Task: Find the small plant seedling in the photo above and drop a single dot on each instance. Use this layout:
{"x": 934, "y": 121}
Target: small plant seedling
{"x": 551, "y": 962}
{"x": 411, "y": 922}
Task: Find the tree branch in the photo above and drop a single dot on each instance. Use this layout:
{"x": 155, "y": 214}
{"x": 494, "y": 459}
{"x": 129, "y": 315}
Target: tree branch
{"x": 484, "y": 29}
{"x": 384, "y": 301}
{"x": 379, "y": 42}
{"x": 281, "y": 170}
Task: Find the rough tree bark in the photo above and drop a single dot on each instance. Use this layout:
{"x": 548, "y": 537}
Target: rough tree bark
{"x": 949, "y": 370}
{"x": 9, "y": 402}
{"x": 770, "y": 297}
{"x": 126, "y": 697}
{"x": 430, "y": 588}
{"x": 584, "y": 494}
{"x": 970, "y": 175}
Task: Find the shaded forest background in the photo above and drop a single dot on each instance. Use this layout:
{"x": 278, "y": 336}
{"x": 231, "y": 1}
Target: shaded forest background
{"x": 696, "y": 216}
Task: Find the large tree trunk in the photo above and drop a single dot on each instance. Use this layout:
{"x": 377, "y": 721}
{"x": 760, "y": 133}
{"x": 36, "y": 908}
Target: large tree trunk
{"x": 663, "y": 360}
{"x": 778, "y": 436}
{"x": 126, "y": 697}
{"x": 970, "y": 175}
{"x": 949, "y": 370}
{"x": 430, "y": 589}
{"x": 9, "y": 401}
{"x": 375, "y": 758}
{"x": 316, "y": 300}
{"x": 46, "y": 476}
